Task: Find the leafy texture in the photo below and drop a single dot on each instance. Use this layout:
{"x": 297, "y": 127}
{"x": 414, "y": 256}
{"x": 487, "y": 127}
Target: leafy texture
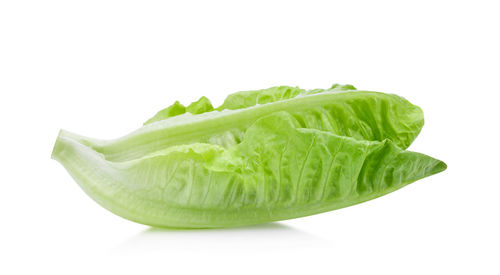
{"x": 203, "y": 105}
{"x": 262, "y": 156}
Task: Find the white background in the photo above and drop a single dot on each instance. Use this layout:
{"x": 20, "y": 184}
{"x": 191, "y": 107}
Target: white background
{"x": 100, "y": 68}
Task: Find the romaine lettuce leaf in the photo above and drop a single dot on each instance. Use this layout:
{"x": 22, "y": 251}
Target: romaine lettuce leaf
{"x": 262, "y": 156}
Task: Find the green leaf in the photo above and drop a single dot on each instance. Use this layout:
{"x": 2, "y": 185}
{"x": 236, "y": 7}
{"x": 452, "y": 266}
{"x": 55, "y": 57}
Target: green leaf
{"x": 362, "y": 115}
{"x": 279, "y": 171}
{"x": 203, "y": 105}
{"x": 241, "y": 100}
{"x": 264, "y": 155}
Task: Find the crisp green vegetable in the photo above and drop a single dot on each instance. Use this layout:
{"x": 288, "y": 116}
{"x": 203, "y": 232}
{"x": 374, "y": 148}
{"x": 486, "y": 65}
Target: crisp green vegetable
{"x": 265, "y": 155}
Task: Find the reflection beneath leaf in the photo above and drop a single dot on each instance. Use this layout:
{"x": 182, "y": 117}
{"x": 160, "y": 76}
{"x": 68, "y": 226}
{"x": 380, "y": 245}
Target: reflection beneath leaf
{"x": 273, "y": 236}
